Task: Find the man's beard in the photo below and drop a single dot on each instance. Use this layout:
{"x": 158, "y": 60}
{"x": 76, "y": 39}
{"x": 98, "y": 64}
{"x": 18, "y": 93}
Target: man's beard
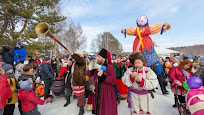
{"x": 99, "y": 62}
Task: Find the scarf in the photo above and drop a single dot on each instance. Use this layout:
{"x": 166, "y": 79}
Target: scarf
{"x": 119, "y": 63}
{"x": 10, "y": 75}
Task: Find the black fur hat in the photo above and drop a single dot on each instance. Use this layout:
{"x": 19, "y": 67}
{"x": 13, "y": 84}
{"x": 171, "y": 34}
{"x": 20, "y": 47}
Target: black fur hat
{"x": 103, "y": 53}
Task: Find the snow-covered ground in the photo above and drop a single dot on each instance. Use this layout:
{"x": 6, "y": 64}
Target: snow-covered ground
{"x": 162, "y": 106}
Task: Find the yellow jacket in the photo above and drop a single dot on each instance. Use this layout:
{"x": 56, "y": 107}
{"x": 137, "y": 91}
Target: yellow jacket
{"x": 13, "y": 87}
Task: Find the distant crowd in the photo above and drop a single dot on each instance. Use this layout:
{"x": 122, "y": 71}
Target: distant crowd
{"x": 104, "y": 79}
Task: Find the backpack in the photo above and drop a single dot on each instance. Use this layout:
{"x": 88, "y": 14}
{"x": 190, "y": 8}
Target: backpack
{"x": 159, "y": 68}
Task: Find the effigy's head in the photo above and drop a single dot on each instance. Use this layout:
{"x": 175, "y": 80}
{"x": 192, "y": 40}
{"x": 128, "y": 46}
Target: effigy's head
{"x": 142, "y": 21}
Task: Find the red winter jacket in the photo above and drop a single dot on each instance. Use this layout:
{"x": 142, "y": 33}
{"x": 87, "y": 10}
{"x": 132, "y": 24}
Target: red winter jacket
{"x": 177, "y": 76}
{"x": 5, "y": 91}
{"x": 29, "y": 100}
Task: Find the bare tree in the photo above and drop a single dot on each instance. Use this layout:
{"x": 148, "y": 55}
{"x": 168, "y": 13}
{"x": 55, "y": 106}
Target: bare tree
{"x": 81, "y": 37}
{"x": 73, "y": 37}
{"x": 109, "y": 42}
{"x": 94, "y": 45}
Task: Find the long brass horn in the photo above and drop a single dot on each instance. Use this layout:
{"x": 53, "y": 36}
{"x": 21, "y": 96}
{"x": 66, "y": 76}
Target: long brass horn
{"x": 43, "y": 28}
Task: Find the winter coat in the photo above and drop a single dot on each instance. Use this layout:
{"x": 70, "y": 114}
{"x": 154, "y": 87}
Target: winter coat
{"x": 29, "y": 100}
{"x": 120, "y": 69}
{"x": 5, "y": 91}
{"x": 19, "y": 54}
{"x": 7, "y": 55}
{"x": 39, "y": 71}
{"x": 13, "y": 87}
{"x": 24, "y": 76}
{"x": 139, "y": 97}
{"x": 54, "y": 65}
{"x": 195, "y": 98}
{"x": 177, "y": 76}
{"x": 47, "y": 72}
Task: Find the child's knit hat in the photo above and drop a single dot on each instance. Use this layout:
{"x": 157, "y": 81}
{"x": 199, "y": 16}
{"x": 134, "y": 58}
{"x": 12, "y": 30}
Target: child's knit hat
{"x": 7, "y": 67}
{"x": 25, "y": 85}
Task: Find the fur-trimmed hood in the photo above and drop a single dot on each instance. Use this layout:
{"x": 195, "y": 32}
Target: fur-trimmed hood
{"x": 24, "y": 76}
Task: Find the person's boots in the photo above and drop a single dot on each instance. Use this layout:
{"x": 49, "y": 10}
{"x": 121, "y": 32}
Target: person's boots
{"x": 176, "y": 104}
{"x": 163, "y": 91}
{"x": 81, "y": 110}
{"x": 68, "y": 102}
{"x": 93, "y": 112}
{"x": 119, "y": 98}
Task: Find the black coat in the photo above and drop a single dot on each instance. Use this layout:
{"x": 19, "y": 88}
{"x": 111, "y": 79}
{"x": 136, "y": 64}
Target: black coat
{"x": 54, "y": 65}
{"x": 7, "y": 55}
{"x": 39, "y": 72}
{"x": 68, "y": 78}
{"x": 47, "y": 72}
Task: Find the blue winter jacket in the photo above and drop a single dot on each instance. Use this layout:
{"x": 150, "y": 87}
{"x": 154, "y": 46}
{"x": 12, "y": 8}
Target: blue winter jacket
{"x": 20, "y": 54}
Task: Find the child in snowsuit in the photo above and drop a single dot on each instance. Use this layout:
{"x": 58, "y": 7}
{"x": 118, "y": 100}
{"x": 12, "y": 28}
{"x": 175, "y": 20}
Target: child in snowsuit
{"x": 28, "y": 98}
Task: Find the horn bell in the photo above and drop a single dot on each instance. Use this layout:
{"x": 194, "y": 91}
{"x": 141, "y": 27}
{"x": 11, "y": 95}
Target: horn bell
{"x": 42, "y": 28}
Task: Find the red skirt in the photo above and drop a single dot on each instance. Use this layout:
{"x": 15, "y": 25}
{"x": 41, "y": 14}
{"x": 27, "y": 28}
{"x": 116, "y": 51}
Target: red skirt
{"x": 122, "y": 88}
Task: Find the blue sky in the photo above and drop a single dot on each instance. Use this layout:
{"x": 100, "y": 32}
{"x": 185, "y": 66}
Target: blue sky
{"x": 97, "y": 16}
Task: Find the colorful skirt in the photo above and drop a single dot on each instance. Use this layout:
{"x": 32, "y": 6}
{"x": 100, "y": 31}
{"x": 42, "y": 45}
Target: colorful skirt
{"x": 151, "y": 56}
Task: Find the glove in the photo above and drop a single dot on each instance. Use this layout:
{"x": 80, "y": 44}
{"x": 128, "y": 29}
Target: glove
{"x": 16, "y": 90}
{"x": 48, "y": 100}
{"x": 9, "y": 100}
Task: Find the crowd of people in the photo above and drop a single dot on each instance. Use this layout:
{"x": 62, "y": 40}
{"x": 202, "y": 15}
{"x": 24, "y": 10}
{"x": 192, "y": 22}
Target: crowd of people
{"x": 124, "y": 77}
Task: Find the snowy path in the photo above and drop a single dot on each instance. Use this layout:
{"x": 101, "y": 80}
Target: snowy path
{"x": 162, "y": 106}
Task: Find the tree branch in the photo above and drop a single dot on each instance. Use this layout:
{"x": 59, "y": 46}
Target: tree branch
{"x": 5, "y": 22}
{"x": 25, "y": 22}
{"x": 12, "y": 25}
{"x": 24, "y": 27}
